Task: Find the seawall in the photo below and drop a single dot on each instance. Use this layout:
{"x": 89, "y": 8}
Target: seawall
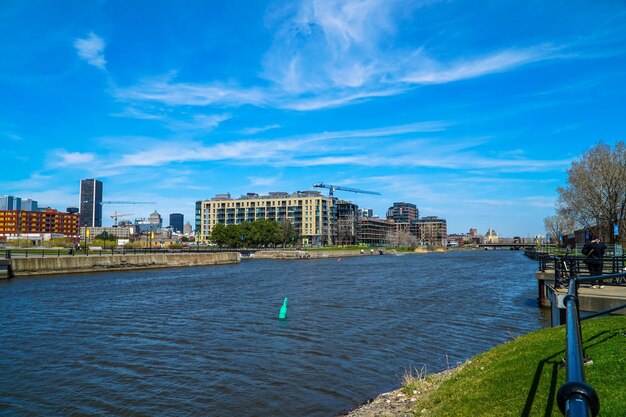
{"x": 73, "y": 264}
{"x": 314, "y": 254}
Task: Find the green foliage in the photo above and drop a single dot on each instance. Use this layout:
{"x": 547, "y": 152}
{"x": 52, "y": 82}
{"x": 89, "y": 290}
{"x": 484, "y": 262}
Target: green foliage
{"x": 260, "y": 233}
{"x": 109, "y": 237}
{"x": 522, "y": 377}
{"x": 60, "y": 242}
{"x": 287, "y": 233}
{"x": 138, "y": 244}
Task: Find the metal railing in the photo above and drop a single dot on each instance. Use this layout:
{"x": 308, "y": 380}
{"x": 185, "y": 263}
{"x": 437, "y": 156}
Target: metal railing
{"x": 565, "y": 267}
{"x": 575, "y": 397}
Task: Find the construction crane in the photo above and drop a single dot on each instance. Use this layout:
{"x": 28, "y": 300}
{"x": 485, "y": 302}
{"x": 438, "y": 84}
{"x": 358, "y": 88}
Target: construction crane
{"x": 115, "y": 216}
{"x": 128, "y": 202}
{"x": 117, "y": 202}
{"x": 333, "y": 188}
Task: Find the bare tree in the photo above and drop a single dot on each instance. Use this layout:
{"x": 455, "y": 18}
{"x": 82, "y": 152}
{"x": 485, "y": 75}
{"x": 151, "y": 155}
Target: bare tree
{"x": 557, "y": 226}
{"x": 595, "y": 194}
{"x": 401, "y": 238}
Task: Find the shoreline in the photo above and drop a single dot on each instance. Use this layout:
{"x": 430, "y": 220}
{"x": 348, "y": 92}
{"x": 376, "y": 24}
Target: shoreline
{"x": 77, "y": 264}
{"x": 26, "y": 267}
{"x": 399, "y": 403}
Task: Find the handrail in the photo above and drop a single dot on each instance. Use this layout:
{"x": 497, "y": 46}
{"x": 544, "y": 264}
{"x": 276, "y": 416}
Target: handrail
{"x": 575, "y": 397}
{"x": 566, "y": 266}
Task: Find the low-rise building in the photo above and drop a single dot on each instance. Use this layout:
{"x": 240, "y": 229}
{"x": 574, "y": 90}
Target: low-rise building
{"x": 374, "y": 231}
{"x": 309, "y": 212}
{"x": 431, "y": 231}
{"x": 121, "y": 232}
{"x": 48, "y": 221}
{"x": 347, "y": 216}
{"x": 491, "y": 236}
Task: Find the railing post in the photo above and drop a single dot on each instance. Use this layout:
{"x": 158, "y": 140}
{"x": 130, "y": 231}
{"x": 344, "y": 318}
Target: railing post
{"x": 575, "y": 398}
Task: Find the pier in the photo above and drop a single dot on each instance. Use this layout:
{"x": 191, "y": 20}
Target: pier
{"x": 553, "y": 276}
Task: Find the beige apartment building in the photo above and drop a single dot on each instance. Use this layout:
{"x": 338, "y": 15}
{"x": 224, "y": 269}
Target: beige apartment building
{"x": 309, "y": 212}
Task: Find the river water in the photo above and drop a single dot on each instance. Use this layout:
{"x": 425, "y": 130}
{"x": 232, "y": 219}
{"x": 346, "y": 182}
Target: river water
{"x": 206, "y": 341}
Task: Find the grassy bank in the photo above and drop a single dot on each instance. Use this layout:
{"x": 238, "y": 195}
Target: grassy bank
{"x": 521, "y": 378}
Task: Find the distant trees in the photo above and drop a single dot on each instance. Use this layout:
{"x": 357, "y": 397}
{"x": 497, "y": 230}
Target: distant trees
{"x": 402, "y": 238}
{"x": 595, "y": 194}
{"x": 557, "y": 226}
{"x": 254, "y": 234}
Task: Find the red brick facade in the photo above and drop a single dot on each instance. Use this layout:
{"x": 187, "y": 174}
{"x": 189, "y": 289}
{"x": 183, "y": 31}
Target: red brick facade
{"x": 16, "y": 222}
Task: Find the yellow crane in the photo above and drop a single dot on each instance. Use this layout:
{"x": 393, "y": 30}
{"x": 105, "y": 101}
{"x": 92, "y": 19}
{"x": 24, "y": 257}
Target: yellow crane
{"x": 115, "y": 216}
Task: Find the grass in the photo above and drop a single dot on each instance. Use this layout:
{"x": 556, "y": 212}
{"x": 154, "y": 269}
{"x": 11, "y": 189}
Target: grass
{"x": 521, "y": 378}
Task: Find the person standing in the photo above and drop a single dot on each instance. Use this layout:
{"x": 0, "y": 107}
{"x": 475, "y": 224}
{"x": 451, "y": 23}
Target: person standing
{"x": 594, "y": 251}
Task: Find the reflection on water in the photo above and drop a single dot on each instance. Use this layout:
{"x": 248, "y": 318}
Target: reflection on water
{"x": 207, "y": 342}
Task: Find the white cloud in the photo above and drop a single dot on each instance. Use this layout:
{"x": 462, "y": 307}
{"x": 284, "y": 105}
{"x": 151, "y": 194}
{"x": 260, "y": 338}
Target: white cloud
{"x": 134, "y": 113}
{"x": 91, "y": 49}
{"x": 329, "y": 53}
{"x": 263, "y": 181}
{"x": 12, "y": 136}
{"x": 203, "y": 122}
{"x": 63, "y": 158}
{"x": 164, "y": 90}
{"x": 391, "y": 147}
{"x": 255, "y": 130}
{"x": 431, "y": 72}
{"x": 35, "y": 181}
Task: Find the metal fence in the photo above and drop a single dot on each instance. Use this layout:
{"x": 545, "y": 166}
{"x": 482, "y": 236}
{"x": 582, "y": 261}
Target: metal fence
{"x": 575, "y": 397}
{"x": 565, "y": 267}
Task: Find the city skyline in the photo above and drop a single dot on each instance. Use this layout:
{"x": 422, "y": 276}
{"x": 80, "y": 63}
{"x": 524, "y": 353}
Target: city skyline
{"x": 473, "y": 114}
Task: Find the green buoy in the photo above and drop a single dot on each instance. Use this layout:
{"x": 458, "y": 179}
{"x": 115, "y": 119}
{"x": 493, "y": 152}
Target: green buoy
{"x": 283, "y": 310}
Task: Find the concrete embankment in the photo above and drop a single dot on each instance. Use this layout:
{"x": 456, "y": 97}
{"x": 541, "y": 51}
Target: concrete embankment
{"x": 318, "y": 254}
{"x": 315, "y": 254}
{"x": 72, "y": 264}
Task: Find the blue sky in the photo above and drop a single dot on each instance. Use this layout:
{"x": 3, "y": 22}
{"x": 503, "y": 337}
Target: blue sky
{"x": 471, "y": 110}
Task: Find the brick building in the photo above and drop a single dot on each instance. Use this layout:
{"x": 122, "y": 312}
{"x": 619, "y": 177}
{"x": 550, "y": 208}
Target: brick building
{"x": 21, "y": 222}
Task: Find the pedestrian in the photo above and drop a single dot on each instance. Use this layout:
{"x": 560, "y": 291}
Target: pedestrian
{"x": 594, "y": 252}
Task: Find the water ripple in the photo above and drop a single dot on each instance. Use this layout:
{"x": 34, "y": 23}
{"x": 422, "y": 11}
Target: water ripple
{"x": 206, "y": 341}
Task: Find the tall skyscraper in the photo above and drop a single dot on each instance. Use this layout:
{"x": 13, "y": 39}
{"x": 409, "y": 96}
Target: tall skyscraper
{"x": 8, "y": 202}
{"x": 90, "y": 203}
{"x": 176, "y": 222}
{"x": 29, "y": 205}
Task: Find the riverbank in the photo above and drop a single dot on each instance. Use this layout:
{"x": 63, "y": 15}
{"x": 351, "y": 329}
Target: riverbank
{"x": 520, "y": 377}
{"x": 401, "y": 402}
{"x": 333, "y": 253}
{"x": 78, "y": 264}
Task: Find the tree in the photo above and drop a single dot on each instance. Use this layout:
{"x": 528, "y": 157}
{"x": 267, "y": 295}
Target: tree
{"x": 287, "y": 233}
{"x": 105, "y": 236}
{"x": 218, "y": 234}
{"x": 557, "y": 226}
{"x": 595, "y": 194}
